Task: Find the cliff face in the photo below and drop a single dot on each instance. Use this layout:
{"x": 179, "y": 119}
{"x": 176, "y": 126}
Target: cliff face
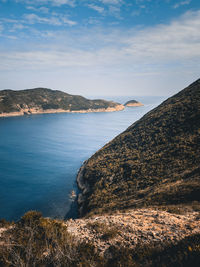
{"x": 154, "y": 162}
{"x": 42, "y": 100}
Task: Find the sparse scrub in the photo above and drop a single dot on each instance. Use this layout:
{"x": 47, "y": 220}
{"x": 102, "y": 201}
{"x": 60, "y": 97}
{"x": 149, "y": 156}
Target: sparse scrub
{"x": 38, "y": 241}
{"x": 106, "y": 232}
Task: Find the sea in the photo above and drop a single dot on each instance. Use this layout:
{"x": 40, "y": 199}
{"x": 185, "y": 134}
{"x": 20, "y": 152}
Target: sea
{"x": 40, "y": 155}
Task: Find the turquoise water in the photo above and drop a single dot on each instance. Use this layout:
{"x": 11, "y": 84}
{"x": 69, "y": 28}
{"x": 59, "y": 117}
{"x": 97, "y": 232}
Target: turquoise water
{"x": 40, "y": 155}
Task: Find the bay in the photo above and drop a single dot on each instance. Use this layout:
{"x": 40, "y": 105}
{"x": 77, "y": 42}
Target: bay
{"x": 40, "y": 155}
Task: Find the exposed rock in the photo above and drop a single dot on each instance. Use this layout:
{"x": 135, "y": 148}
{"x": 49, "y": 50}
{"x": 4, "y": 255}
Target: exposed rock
{"x": 133, "y": 227}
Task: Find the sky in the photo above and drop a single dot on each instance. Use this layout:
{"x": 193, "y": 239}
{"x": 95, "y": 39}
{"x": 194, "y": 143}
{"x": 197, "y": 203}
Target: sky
{"x": 100, "y": 47}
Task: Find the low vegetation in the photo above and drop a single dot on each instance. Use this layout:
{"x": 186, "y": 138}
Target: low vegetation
{"x": 154, "y": 162}
{"x": 103, "y": 230}
{"x": 37, "y": 241}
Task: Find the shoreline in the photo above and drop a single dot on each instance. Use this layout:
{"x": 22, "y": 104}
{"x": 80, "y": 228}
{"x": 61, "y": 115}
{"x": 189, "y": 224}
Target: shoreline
{"x": 134, "y": 105}
{"x": 35, "y": 111}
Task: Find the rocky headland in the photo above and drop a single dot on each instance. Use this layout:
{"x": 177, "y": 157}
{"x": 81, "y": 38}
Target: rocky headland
{"x": 44, "y": 101}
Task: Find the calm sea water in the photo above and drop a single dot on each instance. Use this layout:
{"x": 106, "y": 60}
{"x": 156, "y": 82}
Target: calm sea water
{"x": 40, "y": 155}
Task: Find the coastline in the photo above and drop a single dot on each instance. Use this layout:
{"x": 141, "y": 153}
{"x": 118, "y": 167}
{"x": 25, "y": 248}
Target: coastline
{"x": 35, "y": 111}
{"x": 134, "y": 104}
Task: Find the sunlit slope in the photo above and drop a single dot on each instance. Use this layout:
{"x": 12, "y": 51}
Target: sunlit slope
{"x": 156, "y": 161}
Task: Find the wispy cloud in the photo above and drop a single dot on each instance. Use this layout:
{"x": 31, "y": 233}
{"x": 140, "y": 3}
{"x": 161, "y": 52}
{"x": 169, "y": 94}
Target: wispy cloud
{"x": 17, "y": 27}
{"x": 115, "y": 11}
{"x": 111, "y": 2}
{"x": 179, "y": 40}
{"x": 38, "y": 9}
{"x": 176, "y": 42}
{"x": 113, "y": 7}
{"x": 62, "y": 2}
{"x": 99, "y": 9}
{"x": 50, "y": 2}
{"x": 182, "y": 3}
{"x": 101, "y": 51}
{"x": 57, "y": 21}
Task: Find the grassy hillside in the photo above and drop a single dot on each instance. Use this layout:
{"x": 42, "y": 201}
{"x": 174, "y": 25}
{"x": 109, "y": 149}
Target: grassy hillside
{"x": 155, "y": 162}
{"x": 43, "y": 99}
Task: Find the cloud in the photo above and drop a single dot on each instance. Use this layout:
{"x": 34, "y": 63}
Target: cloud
{"x": 113, "y": 7}
{"x": 38, "y": 9}
{"x": 137, "y": 61}
{"x": 115, "y": 11}
{"x": 148, "y": 49}
{"x": 183, "y": 3}
{"x": 33, "y": 18}
{"x": 18, "y": 26}
{"x": 9, "y": 20}
{"x": 68, "y": 21}
{"x": 63, "y": 2}
{"x": 56, "y": 21}
{"x": 99, "y": 9}
{"x": 179, "y": 40}
{"x": 111, "y": 2}
{"x": 52, "y": 2}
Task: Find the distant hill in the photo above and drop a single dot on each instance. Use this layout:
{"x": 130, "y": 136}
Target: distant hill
{"x": 42, "y": 100}
{"x": 155, "y": 162}
{"x": 133, "y": 103}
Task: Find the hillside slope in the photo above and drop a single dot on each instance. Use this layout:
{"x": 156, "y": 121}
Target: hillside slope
{"x": 154, "y": 162}
{"x": 42, "y": 100}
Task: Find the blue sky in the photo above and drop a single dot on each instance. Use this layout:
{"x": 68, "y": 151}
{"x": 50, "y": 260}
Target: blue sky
{"x": 100, "y": 47}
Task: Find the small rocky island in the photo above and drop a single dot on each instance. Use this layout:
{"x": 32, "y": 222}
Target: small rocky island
{"x": 133, "y": 103}
{"x": 43, "y": 100}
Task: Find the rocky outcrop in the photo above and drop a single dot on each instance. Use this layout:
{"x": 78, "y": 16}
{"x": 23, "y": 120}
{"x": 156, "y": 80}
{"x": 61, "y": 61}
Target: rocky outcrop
{"x": 133, "y": 228}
